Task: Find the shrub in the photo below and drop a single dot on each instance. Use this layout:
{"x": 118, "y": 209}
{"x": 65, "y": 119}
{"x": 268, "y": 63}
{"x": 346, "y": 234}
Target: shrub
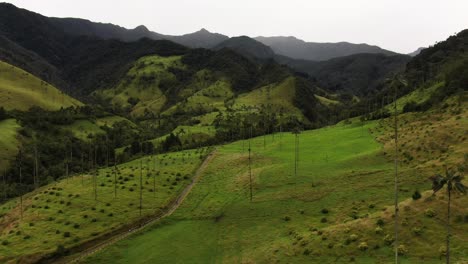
{"x": 363, "y": 246}
{"x": 378, "y": 230}
{"x": 94, "y": 220}
{"x": 76, "y": 226}
{"x": 417, "y": 231}
{"x": 324, "y": 211}
{"x": 307, "y": 252}
{"x": 416, "y": 195}
{"x": 27, "y": 237}
{"x": 353, "y": 237}
{"x": 66, "y": 234}
{"x": 286, "y": 218}
{"x": 429, "y": 213}
{"x": 402, "y": 250}
{"x": 60, "y": 251}
{"x": 57, "y": 232}
{"x": 442, "y": 251}
{"x": 5, "y": 243}
{"x": 388, "y": 239}
{"x": 323, "y": 220}
{"x": 380, "y": 222}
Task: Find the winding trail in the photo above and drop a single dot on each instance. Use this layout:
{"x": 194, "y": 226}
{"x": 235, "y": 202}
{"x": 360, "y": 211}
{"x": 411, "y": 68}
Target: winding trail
{"x": 120, "y": 236}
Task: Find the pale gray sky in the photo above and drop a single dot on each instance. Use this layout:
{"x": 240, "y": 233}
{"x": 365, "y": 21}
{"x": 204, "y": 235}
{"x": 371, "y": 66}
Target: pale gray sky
{"x": 398, "y": 25}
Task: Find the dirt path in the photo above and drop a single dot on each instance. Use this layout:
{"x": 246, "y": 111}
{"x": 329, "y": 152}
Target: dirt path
{"x": 171, "y": 208}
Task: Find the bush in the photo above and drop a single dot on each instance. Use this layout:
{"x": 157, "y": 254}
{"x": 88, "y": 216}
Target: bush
{"x": 353, "y": 237}
{"x": 66, "y": 234}
{"x": 429, "y": 213}
{"x": 442, "y": 251}
{"x": 286, "y": 218}
{"x": 5, "y": 242}
{"x": 380, "y": 222}
{"x": 416, "y": 195}
{"x": 363, "y": 246}
{"x": 388, "y": 239}
{"x": 323, "y": 220}
{"x": 402, "y": 250}
{"x": 378, "y": 230}
{"x": 324, "y": 211}
{"x": 417, "y": 231}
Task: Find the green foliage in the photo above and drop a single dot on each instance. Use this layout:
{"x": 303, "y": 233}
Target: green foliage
{"x": 416, "y": 195}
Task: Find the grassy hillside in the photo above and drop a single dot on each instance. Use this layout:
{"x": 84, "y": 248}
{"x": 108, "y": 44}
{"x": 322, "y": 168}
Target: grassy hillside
{"x": 21, "y": 90}
{"x": 8, "y": 141}
{"x": 65, "y": 213}
{"x": 336, "y": 210}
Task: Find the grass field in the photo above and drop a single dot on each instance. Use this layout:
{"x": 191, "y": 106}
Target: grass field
{"x": 21, "y": 90}
{"x": 418, "y": 96}
{"x": 8, "y": 141}
{"x": 84, "y": 129}
{"x": 344, "y": 185}
{"x": 66, "y": 213}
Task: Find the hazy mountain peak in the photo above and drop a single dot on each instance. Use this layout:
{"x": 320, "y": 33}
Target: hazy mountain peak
{"x": 248, "y": 47}
{"x": 203, "y": 30}
{"x": 141, "y": 28}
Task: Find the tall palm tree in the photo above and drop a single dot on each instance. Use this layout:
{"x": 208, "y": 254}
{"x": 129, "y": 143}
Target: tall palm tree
{"x": 453, "y": 182}
{"x": 396, "y": 172}
{"x": 296, "y": 133}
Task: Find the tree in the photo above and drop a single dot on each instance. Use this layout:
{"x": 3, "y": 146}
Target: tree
{"x": 396, "y": 172}
{"x": 141, "y": 186}
{"x": 250, "y": 166}
{"x": 453, "y": 182}
{"x": 296, "y": 133}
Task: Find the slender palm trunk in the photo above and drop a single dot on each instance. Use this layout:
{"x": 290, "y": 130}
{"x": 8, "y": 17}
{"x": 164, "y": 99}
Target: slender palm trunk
{"x": 448, "y": 227}
{"x": 141, "y": 186}
{"x": 154, "y": 176}
{"x": 82, "y": 167}
{"x": 280, "y": 135}
{"x": 250, "y": 166}
{"x": 95, "y": 173}
{"x": 4, "y": 185}
{"x": 396, "y": 179}
{"x": 21, "y": 180}
{"x": 115, "y": 178}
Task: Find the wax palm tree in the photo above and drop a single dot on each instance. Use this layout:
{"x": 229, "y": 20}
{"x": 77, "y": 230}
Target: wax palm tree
{"x": 453, "y": 182}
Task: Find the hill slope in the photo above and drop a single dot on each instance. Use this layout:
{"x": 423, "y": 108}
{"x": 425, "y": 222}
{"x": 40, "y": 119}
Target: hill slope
{"x": 20, "y": 90}
{"x": 339, "y": 199}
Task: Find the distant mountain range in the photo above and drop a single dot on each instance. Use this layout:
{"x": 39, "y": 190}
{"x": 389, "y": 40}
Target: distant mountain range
{"x": 286, "y": 46}
{"x": 298, "y": 49}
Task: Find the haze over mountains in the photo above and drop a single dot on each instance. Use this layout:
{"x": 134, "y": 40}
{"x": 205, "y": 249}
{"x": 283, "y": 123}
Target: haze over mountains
{"x": 286, "y": 46}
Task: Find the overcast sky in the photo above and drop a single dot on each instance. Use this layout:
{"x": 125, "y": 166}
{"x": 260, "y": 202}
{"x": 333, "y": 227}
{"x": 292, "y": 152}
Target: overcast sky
{"x": 398, "y": 25}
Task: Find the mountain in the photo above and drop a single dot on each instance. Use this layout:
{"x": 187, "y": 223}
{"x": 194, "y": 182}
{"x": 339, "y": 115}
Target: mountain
{"x": 200, "y": 39}
{"x": 357, "y": 74}
{"x": 416, "y": 52}
{"x": 76, "y": 64}
{"x": 83, "y": 27}
{"x": 298, "y": 49}
{"x": 248, "y": 47}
